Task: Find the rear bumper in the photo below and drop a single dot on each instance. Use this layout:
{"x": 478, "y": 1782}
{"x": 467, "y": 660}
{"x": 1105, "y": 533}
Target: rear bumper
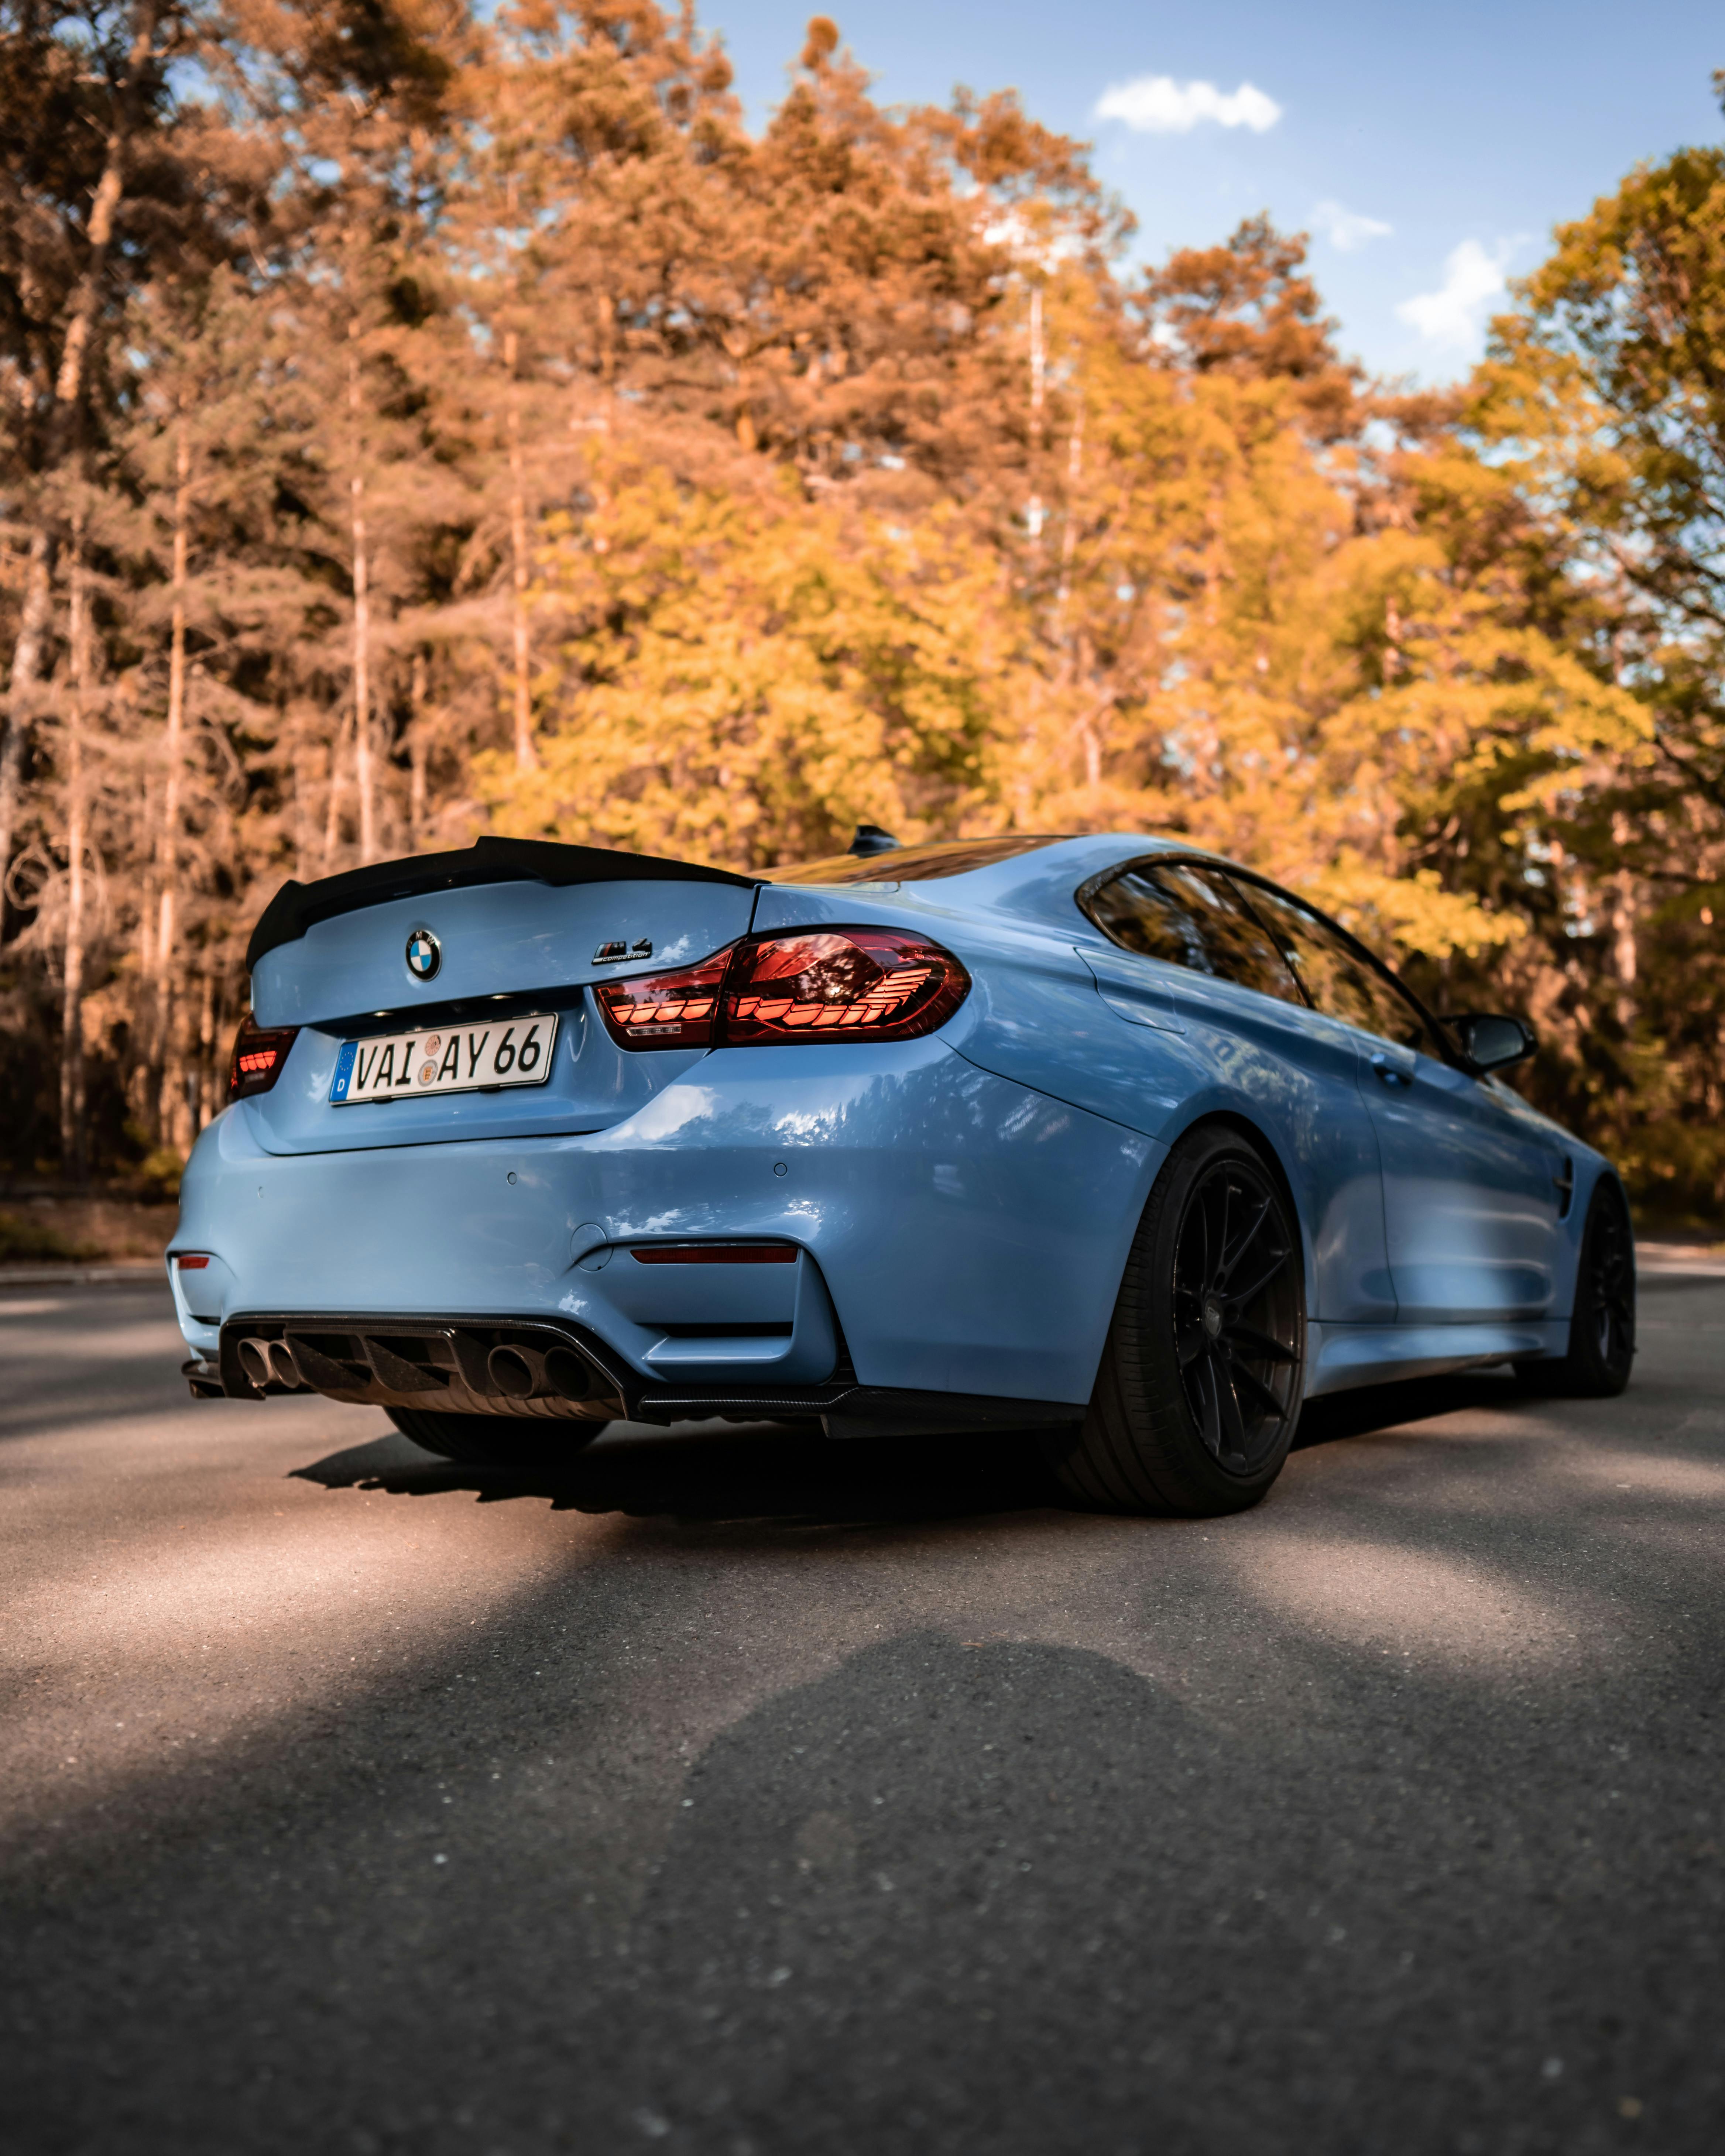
{"x": 959, "y": 1235}
{"x": 555, "y": 1373}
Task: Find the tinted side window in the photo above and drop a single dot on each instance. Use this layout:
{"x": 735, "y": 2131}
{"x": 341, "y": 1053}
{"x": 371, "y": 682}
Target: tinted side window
{"x": 1338, "y": 981}
{"x": 1191, "y": 917}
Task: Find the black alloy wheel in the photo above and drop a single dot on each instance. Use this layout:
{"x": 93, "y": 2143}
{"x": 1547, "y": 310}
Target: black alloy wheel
{"x": 1605, "y": 1297}
{"x": 1602, "y": 1327}
{"x": 1202, "y": 1373}
{"x": 1236, "y": 1317}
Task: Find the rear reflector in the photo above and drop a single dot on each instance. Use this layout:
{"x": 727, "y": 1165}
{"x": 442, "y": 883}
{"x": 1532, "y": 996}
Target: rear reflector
{"x": 803, "y": 984}
{"x": 258, "y": 1054}
{"x": 716, "y": 1254}
{"x": 191, "y": 1261}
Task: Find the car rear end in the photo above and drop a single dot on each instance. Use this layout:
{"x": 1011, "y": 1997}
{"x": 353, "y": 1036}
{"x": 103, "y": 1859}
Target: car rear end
{"x": 579, "y": 1138}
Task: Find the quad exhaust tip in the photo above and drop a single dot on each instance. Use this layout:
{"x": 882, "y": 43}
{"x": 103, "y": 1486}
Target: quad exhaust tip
{"x": 267, "y": 1362}
{"x": 524, "y": 1373}
{"x": 515, "y": 1370}
{"x": 569, "y": 1374}
{"x": 511, "y": 1373}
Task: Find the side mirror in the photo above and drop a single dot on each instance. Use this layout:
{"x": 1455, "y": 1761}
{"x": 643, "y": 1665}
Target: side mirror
{"x": 1491, "y": 1041}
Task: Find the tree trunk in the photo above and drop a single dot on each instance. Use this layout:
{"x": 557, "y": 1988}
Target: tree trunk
{"x": 294, "y": 733}
{"x": 1091, "y": 727}
{"x": 74, "y": 1160}
{"x": 203, "y": 1100}
{"x": 167, "y": 851}
{"x": 364, "y": 778}
{"x": 1039, "y": 373}
{"x": 607, "y": 349}
{"x": 1069, "y": 535}
{"x": 143, "y": 1079}
{"x": 68, "y": 384}
{"x": 26, "y": 674}
{"x": 416, "y": 747}
{"x": 1623, "y": 927}
{"x": 68, "y": 395}
{"x": 333, "y": 812}
{"x": 524, "y": 756}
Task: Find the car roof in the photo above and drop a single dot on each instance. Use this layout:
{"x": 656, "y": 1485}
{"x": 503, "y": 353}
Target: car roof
{"x": 1014, "y": 855}
{"x": 1034, "y": 875}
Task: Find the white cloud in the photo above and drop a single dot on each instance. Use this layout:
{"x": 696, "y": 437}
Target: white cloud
{"x": 1346, "y": 229}
{"x": 1455, "y": 313}
{"x": 1157, "y": 104}
{"x": 1014, "y": 232}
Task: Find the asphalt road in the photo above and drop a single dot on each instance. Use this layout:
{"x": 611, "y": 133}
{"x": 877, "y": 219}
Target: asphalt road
{"x": 749, "y": 1793}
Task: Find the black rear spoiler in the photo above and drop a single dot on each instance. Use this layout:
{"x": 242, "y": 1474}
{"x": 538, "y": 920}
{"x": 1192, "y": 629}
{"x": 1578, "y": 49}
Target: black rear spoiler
{"x": 296, "y": 906}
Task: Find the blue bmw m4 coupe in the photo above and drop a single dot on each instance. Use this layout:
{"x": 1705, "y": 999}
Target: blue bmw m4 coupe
{"x": 1100, "y": 1137}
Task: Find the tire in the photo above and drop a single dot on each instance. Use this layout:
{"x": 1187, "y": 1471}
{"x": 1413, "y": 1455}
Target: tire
{"x": 499, "y": 1441}
{"x": 1203, "y": 1370}
{"x": 1602, "y": 1328}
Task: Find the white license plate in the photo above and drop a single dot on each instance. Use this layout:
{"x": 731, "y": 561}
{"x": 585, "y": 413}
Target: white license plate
{"x": 458, "y": 1059}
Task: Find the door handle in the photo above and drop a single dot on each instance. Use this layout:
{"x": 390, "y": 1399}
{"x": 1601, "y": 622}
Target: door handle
{"x": 1391, "y": 1074}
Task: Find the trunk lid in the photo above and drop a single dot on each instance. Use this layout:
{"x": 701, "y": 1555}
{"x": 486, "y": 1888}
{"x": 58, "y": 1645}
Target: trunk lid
{"x": 501, "y": 950}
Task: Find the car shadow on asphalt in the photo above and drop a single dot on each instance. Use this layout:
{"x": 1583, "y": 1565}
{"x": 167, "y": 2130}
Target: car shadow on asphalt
{"x": 721, "y": 1472}
{"x": 1373, "y": 1407}
{"x": 717, "y": 1472}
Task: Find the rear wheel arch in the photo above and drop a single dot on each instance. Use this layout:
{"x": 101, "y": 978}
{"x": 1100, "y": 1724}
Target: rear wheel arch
{"x": 1601, "y": 1350}
{"x": 1603, "y": 1182}
{"x": 1255, "y": 1135}
{"x": 1177, "y": 1424}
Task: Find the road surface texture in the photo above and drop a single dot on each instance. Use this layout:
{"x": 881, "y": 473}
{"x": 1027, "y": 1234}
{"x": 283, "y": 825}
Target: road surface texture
{"x": 746, "y": 1792}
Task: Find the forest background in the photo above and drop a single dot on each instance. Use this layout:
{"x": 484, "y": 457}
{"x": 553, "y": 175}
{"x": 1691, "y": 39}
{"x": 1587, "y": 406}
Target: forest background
{"x": 418, "y": 424}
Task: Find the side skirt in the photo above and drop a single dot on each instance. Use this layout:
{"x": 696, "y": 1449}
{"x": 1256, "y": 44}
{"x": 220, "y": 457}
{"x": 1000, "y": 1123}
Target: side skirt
{"x": 1341, "y": 1356}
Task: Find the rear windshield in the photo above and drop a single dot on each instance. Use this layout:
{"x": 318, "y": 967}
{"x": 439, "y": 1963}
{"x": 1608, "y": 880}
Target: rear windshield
{"x": 915, "y": 864}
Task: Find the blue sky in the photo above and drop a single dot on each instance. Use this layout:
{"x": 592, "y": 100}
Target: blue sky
{"x": 1468, "y": 130}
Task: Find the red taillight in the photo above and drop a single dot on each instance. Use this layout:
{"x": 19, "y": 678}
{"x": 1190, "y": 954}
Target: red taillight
{"x": 839, "y": 985}
{"x": 258, "y": 1054}
{"x": 715, "y": 1254}
{"x": 803, "y": 984}
{"x": 191, "y": 1261}
{"x": 666, "y": 1010}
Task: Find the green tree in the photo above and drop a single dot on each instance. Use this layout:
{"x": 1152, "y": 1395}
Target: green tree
{"x": 1603, "y": 403}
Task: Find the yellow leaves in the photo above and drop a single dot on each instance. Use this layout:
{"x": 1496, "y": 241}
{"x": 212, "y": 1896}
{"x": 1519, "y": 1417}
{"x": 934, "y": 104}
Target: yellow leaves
{"x": 744, "y": 680}
{"x": 1204, "y": 635}
{"x": 1413, "y": 912}
{"x": 1294, "y": 691}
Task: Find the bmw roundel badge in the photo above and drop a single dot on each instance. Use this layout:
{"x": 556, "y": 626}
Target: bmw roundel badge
{"x": 425, "y": 954}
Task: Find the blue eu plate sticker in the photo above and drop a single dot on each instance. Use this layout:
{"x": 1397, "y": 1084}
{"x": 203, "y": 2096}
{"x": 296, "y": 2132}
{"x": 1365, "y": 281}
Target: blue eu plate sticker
{"x": 344, "y": 1070}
